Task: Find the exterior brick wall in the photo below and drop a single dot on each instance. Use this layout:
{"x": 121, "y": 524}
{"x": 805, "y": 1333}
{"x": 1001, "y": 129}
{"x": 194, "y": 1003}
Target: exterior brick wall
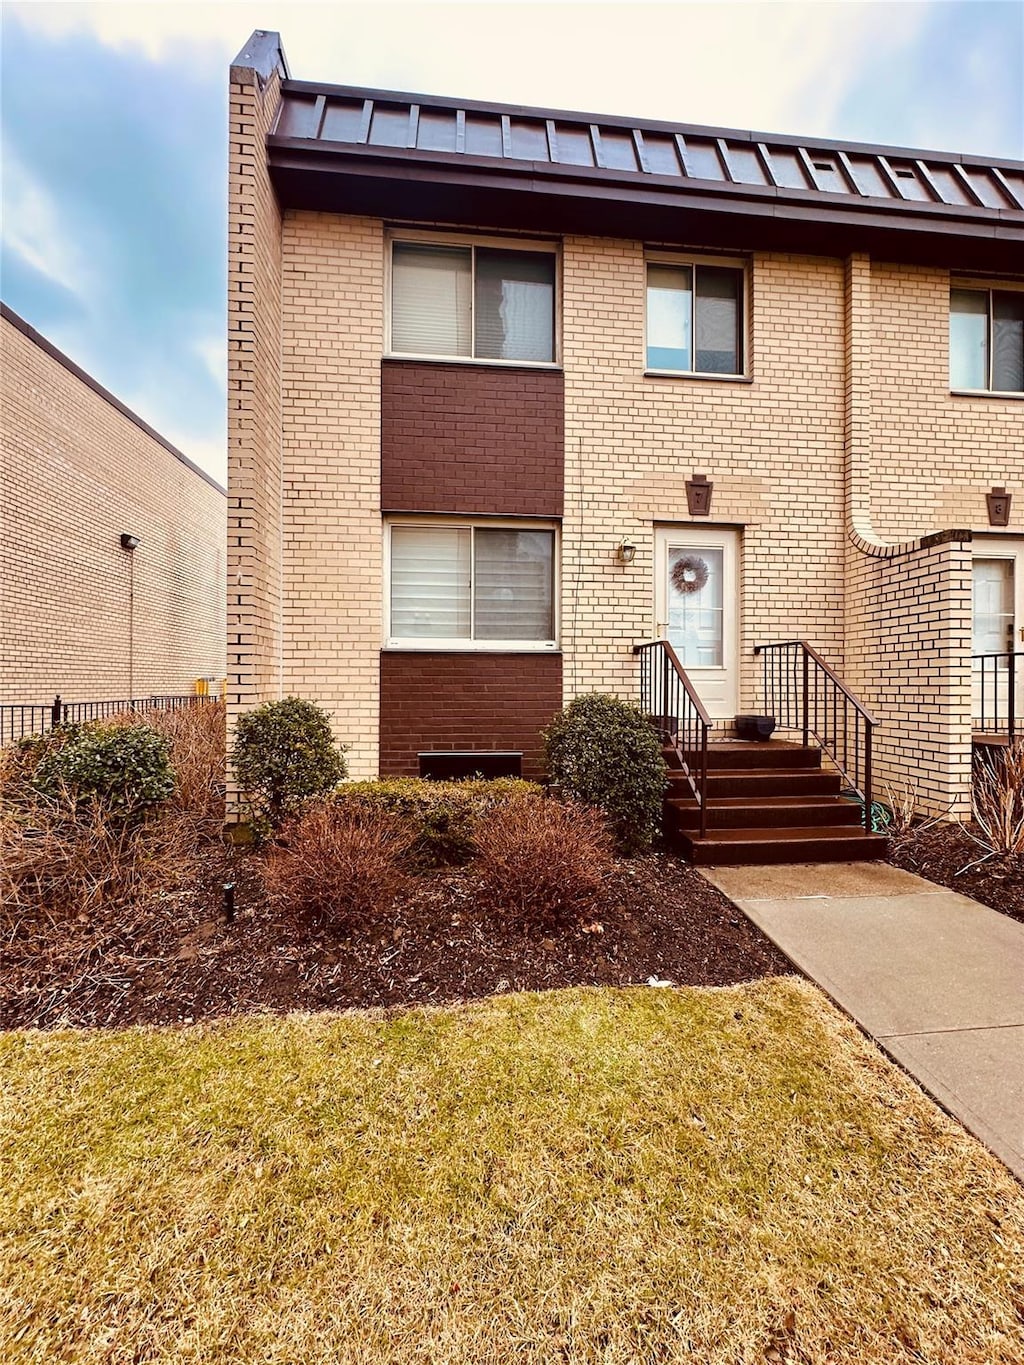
{"x": 772, "y": 447}
{"x": 75, "y": 473}
{"x": 909, "y": 649}
{"x": 935, "y": 454}
{"x": 457, "y": 438}
{"x": 332, "y": 338}
{"x": 835, "y": 460}
{"x": 254, "y": 400}
{"x": 466, "y": 701}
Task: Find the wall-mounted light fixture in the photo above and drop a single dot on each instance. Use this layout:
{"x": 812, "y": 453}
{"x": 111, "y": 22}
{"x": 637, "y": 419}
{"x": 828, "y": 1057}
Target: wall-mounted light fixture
{"x": 998, "y": 507}
{"x": 626, "y": 551}
{"x": 128, "y": 542}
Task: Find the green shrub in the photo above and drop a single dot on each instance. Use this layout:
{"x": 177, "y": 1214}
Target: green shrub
{"x": 125, "y": 768}
{"x": 443, "y": 815}
{"x": 543, "y": 863}
{"x": 603, "y": 752}
{"x": 344, "y": 866}
{"x": 284, "y": 753}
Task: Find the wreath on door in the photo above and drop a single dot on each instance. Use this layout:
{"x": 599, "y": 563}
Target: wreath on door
{"x": 689, "y": 574}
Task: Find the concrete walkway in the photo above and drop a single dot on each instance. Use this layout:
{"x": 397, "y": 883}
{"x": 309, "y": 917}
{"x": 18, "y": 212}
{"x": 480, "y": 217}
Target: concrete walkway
{"x": 934, "y": 977}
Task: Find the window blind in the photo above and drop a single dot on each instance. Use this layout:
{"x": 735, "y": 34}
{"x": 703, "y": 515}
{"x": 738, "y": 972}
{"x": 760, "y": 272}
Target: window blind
{"x": 718, "y": 320}
{"x": 431, "y": 299}
{"x": 669, "y": 317}
{"x": 515, "y": 305}
{"x": 514, "y": 585}
{"x": 430, "y": 582}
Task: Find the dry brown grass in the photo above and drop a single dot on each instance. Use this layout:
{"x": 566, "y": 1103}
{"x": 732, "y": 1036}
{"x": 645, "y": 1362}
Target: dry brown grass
{"x": 341, "y": 865}
{"x": 543, "y": 862}
{"x": 998, "y": 799}
{"x": 716, "y": 1177}
{"x": 62, "y": 858}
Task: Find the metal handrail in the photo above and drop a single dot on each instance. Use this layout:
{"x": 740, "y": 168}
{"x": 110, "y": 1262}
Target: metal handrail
{"x": 670, "y": 701}
{"x": 979, "y": 665}
{"x": 804, "y": 693}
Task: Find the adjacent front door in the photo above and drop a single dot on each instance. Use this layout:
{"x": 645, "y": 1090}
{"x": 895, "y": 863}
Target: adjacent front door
{"x": 998, "y": 621}
{"x": 695, "y": 609}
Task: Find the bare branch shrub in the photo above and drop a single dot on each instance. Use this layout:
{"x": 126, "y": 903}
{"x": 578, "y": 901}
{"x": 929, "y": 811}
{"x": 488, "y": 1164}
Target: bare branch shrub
{"x": 65, "y": 857}
{"x": 544, "y": 862}
{"x": 997, "y": 799}
{"x": 342, "y": 865}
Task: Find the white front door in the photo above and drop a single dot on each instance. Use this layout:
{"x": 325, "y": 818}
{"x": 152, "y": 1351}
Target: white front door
{"x": 695, "y": 609}
{"x": 998, "y": 630}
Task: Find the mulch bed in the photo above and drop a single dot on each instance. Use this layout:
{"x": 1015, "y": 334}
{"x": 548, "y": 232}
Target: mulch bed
{"x": 178, "y": 960}
{"x": 943, "y": 851}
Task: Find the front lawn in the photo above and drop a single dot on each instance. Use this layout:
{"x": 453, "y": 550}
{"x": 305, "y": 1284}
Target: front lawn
{"x": 627, "y": 1175}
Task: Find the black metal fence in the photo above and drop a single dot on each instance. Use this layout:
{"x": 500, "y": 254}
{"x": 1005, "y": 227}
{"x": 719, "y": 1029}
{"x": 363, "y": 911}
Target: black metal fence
{"x": 998, "y": 685}
{"x": 804, "y": 695}
{"x": 18, "y": 722}
{"x": 671, "y": 702}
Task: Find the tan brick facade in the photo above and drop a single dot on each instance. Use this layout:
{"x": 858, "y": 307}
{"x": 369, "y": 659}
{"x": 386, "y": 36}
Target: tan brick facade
{"x": 837, "y": 460}
{"x": 79, "y": 615}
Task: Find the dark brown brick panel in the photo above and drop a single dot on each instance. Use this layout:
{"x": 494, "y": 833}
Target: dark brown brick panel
{"x": 465, "y": 701}
{"x": 467, "y": 438}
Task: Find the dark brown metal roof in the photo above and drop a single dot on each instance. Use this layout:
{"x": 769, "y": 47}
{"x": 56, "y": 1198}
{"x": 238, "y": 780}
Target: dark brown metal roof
{"x": 336, "y": 147}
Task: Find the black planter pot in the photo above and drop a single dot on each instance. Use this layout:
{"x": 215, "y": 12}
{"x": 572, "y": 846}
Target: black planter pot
{"x": 755, "y": 727}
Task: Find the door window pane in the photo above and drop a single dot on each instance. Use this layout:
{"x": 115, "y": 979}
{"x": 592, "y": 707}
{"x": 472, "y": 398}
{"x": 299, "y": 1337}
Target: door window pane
{"x": 430, "y": 582}
{"x": 993, "y": 606}
{"x": 515, "y": 305}
{"x": 696, "y": 604}
{"x": 514, "y": 585}
{"x": 718, "y": 320}
{"x": 968, "y": 339}
{"x": 1008, "y": 342}
{"x": 669, "y": 317}
{"x": 431, "y": 293}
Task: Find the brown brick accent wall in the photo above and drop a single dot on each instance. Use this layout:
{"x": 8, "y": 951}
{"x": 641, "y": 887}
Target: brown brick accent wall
{"x": 457, "y": 438}
{"x": 75, "y": 473}
{"x": 465, "y": 701}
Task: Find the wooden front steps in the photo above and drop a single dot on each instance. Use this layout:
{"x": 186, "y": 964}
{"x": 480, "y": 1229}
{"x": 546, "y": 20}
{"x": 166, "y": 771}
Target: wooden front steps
{"x": 767, "y": 803}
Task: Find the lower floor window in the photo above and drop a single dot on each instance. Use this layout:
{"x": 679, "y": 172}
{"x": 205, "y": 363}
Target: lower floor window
{"x": 466, "y": 584}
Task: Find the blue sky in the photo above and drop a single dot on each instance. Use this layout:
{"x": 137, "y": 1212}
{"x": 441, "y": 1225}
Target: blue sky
{"x": 114, "y": 131}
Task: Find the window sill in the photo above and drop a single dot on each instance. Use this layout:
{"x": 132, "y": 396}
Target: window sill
{"x": 702, "y": 378}
{"x": 468, "y": 647}
{"x": 1013, "y": 394}
{"x": 471, "y": 361}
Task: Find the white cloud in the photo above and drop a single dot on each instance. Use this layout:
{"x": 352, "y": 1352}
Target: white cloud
{"x": 33, "y": 228}
{"x": 212, "y": 351}
{"x": 739, "y": 63}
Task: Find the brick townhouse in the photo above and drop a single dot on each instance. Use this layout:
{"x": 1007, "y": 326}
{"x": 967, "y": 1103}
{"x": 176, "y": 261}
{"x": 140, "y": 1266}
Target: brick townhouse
{"x": 112, "y": 543}
{"x": 525, "y": 404}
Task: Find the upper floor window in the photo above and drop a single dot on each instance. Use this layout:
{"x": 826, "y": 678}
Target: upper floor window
{"x": 472, "y": 302}
{"x": 695, "y": 314}
{"x": 986, "y": 340}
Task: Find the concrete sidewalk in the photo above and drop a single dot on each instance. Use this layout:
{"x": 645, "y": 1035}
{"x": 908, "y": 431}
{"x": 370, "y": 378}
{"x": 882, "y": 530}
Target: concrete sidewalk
{"x": 934, "y": 977}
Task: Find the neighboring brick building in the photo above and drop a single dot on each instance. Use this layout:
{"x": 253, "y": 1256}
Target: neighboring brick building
{"x": 79, "y": 614}
{"x": 483, "y": 360}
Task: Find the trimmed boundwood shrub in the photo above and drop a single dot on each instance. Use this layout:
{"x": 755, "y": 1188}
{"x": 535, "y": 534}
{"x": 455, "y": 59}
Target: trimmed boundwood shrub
{"x": 443, "y": 815}
{"x": 338, "y": 865}
{"x": 284, "y": 752}
{"x": 603, "y": 752}
{"x": 545, "y": 863}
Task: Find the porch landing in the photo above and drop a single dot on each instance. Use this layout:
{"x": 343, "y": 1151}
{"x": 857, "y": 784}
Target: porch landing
{"x": 934, "y": 977}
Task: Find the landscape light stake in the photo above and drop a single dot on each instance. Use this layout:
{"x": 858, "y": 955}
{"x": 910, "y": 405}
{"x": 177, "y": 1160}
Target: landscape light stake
{"x": 229, "y": 902}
